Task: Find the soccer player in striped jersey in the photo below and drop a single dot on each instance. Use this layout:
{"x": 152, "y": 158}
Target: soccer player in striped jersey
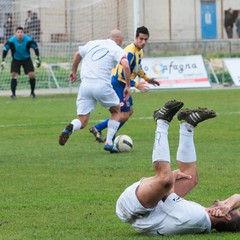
{"x": 134, "y": 54}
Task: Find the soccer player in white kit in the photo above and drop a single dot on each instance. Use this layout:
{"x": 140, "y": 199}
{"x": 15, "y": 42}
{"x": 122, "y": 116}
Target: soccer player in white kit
{"x": 98, "y": 58}
{"x": 154, "y": 205}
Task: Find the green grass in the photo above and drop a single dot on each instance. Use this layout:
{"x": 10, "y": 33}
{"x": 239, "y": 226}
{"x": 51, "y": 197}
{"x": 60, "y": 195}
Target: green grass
{"x": 54, "y": 192}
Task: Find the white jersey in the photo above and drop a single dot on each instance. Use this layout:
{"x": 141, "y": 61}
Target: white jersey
{"x": 99, "y": 57}
{"x": 174, "y": 216}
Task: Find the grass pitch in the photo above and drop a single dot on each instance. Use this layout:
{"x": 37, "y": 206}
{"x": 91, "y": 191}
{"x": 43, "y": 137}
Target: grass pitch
{"x": 69, "y": 192}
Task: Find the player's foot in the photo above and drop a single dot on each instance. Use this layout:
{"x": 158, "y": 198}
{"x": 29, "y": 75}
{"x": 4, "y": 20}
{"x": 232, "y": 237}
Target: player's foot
{"x": 97, "y": 134}
{"x": 111, "y": 148}
{"x": 33, "y": 95}
{"x": 195, "y": 116}
{"x": 168, "y": 111}
{"x": 65, "y": 134}
{"x": 13, "y": 96}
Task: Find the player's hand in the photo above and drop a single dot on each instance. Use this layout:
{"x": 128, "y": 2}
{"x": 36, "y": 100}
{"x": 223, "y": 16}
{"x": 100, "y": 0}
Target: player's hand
{"x": 72, "y": 77}
{"x": 219, "y": 211}
{"x": 177, "y": 174}
{"x": 143, "y": 86}
{"x": 3, "y": 65}
{"x": 153, "y": 81}
{"x": 127, "y": 93}
{"x": 38, "y": 62}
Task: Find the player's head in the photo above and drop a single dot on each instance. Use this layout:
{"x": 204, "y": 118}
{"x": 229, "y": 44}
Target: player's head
{"x": 19, "y": 32}
{"x": 29, "y": 13}
{"x": 116, "y": 36}
{"x": 229, "y": 223}
{"x": 142, "y": 30}
{"x": 142, "y": 35}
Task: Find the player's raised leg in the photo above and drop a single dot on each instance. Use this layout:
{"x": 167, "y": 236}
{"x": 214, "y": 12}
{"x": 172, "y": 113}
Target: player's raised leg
{"x": 76, "y": 124}
{"x": 186, "y": 153}
{"x": 151, "y": 190}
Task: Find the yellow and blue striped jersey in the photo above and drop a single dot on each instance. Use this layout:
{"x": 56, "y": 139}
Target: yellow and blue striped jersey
{"x": 134, "y": 57}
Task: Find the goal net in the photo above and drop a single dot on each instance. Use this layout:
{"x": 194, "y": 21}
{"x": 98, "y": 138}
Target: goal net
{"x": 59, "y": 27}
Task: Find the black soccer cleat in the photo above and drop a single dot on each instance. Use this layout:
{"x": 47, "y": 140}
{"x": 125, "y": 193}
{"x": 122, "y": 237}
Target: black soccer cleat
{"x": 65, "y": 134}
{"x": 195, "y": 116}
{"x": 97, "y": 134}
{"x": 33, "y": 95}
{"x": 168, "y": 111}
{"x": 13, "y": 97}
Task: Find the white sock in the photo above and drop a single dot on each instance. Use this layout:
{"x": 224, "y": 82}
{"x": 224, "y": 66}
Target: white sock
{"x": 161, "y": 150}
{"x": 186, "y": 149}
{"x": 111, "y": 131}
{"x": 76, "y": 124}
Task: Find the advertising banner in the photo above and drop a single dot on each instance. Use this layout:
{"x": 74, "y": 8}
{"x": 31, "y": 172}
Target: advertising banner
{"x": 177, "y": 72}
{"x": 233, "y": 66}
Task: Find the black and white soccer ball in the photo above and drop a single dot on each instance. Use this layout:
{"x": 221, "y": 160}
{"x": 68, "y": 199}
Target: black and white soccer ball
{"x": 123, "y": 143}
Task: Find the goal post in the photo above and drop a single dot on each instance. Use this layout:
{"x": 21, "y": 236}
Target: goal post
{"x": 59, "y": 27}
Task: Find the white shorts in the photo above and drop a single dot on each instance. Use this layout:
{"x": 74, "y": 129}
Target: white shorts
{"x": 90, "y": 93}
{"x": 128, "y": 207}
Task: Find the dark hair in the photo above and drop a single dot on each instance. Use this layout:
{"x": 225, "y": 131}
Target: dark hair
{"x": 232, "y": 225}
{"x": 19, "y": 28}
{"x": 143, "y": 30}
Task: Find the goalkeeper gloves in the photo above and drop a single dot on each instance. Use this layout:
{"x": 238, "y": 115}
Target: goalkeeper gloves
{"x": 38, "y": 62}
{"x": 3, "y": 64}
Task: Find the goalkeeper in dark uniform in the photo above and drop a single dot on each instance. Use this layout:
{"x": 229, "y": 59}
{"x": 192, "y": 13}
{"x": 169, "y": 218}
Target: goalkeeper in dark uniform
{"x": 20, "y": 45}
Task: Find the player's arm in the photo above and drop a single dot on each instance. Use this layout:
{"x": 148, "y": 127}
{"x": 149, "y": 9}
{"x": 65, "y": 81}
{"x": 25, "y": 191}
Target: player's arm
{"x": 152, "y": 81}
{"x": 233, "y": 202}
{"x": 127, "y": 73}
{"x": 222, "y": 208}
{"x": 4, "y": 54}
{"x": 36, "y": 51}
{"x": 76, "y": 60}
{"x": 177, "y": 177}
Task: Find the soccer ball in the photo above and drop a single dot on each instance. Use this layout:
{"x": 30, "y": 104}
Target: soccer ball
{"x": 123, "y": 143}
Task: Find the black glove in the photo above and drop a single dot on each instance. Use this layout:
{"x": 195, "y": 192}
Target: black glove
{"x": 38, "y": 62}
{"x": 3, "y": 64}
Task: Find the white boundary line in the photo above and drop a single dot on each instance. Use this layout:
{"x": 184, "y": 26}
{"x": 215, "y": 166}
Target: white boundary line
{"x": 93, "y": 121}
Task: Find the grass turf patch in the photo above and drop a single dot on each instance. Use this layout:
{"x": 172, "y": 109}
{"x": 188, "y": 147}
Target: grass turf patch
{"x": 69, "y": 192}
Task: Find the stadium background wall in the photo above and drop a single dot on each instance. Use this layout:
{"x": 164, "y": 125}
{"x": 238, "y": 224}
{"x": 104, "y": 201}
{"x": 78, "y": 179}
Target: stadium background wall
{"x": 65, "y": 24}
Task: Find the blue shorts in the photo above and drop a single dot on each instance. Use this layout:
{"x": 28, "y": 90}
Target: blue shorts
{"x": 119, "y": 87}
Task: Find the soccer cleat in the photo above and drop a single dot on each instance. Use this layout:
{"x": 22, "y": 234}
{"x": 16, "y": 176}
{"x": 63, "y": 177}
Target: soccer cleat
{"x": 168, "y": 111}
{"x": 65, "y": 134}
{"x": 111, "y": 148}
{"x": 32, "y": 95}
{"x": 13, "y": 97}
{"x": 97, "y": 134}
{"x": 195, "y": 116}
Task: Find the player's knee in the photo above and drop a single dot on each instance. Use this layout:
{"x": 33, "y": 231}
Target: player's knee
{"x": 124, "y": 116}
{"x": 167, "y": 182}
{"x": 114, "y": 110}
{"x": 31, "y": 75}
{"x": 195, "y": 179}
